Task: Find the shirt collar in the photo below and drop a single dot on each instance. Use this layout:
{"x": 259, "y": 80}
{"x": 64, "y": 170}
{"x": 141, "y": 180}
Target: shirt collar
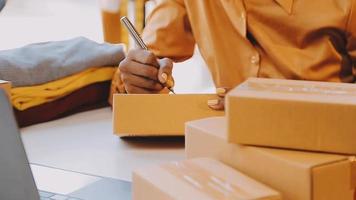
{"x": 287, "y": 5}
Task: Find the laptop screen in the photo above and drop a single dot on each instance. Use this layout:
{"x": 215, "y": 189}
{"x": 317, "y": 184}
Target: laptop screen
{"x": 16, "y": 180}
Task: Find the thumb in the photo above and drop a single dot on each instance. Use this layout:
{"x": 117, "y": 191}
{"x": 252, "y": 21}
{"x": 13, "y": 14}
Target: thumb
{"x": 165, "y": 70}
{"x": 217, "y": 104}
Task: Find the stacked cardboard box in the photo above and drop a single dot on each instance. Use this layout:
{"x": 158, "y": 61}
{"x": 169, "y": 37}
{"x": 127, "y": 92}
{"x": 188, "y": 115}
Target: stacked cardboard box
{"x": 297, "y": 175}
{"x": 299, "y": 126}
{"x": 305, "y": 115}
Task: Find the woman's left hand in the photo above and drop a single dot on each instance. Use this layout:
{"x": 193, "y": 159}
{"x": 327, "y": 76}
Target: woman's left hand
{"x": 219, "y": 103}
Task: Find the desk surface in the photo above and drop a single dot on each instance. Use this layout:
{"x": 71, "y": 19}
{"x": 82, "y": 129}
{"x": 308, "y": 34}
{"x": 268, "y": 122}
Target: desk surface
{"x": 84, "y": 143}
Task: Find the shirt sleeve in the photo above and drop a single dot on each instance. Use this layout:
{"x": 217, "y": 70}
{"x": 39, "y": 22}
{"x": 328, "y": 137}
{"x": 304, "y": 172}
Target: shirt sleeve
{"x": 168, "y": 32}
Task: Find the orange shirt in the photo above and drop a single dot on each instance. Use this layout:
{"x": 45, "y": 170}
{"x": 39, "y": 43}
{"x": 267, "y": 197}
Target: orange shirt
{"x": 292, "y": 39}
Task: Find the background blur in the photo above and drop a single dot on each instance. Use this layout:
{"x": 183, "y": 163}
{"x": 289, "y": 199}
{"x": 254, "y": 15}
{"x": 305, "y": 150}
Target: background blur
{"x": 29, "y": 21}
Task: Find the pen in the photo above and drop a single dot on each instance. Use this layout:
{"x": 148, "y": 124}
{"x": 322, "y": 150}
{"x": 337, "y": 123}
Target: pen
{"x": 134, "y": 34}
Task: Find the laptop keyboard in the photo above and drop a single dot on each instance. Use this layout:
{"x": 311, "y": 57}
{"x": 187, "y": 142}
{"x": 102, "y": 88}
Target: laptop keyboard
{"x": 52, "y": 196}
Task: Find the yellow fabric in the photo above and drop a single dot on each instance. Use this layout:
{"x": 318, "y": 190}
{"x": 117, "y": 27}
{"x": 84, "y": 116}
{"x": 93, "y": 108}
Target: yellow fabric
{"x": 26, "y": 97}
{"x": 288, "y": 39}
{"x": 117, "y": 86}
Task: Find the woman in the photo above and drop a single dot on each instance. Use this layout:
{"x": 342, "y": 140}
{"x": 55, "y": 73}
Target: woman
{"x": 290, "y": 39}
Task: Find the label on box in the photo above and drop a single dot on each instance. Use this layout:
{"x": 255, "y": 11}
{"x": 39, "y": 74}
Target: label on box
{"x": 201, "y": 179}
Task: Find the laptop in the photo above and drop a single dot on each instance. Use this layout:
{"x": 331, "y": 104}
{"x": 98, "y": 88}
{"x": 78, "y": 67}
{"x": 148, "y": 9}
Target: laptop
{"x": 2, "y": 4}
{"x": 16, "y": 178}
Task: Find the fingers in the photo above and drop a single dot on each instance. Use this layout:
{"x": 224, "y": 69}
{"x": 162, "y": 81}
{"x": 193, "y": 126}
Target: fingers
{"x": 141, "y": 82}
{"x": 217, "y": 104}
{"x": 143, "y": 57}
{"x": 132, "y": 89}
{"x": 222, "y": 91}
{"x": 165, "y": 70}
{"x": 138, "y": 69}
{"x": 141, "y": 71}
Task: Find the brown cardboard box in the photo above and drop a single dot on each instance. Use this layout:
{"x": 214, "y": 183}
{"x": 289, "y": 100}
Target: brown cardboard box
{"x": 297, "y": 175}
{"x": 159, "y": 114}
{"x": 5, "y": 85}
{"x": 305, "y": 115}
{"x": 197, "y": 179}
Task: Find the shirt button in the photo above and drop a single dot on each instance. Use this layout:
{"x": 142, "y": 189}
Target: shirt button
{"x": 255, "y": 59}
{"x": 243, "y": 16}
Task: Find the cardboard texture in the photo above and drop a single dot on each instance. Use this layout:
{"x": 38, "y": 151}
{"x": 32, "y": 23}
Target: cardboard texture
{"x": 159, "y": 114}
{"x": 353, "y": 173}
{"x": 6, "y": 85}
{"x": 297, "y": 175}
{"x": 305, "y": 115}
{"x": 203, "y": 179}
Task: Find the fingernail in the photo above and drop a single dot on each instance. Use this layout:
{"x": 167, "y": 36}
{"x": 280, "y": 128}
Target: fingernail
{"x": 213, "y": 102}
{"x": 164, "y": 77}
{"x": 170, "y": 83}
{"x": 220, "y": 90}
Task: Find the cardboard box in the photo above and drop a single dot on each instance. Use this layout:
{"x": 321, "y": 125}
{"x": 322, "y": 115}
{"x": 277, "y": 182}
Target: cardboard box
{"x": 305, "y": 115}
{"x": 5, "y": 85}
{"x": 197, "y": 179}
{"x": 297, "y": 175}
{"x": 159, "y": 114}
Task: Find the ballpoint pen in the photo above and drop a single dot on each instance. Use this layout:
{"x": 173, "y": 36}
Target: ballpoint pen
{"x": 134, "y": 34}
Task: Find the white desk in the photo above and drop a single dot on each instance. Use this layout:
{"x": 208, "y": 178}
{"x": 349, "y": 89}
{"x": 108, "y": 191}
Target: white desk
{"x": 84, "y": 143}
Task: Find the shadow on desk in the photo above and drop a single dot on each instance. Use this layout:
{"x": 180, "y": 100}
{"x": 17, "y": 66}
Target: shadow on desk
{"x": 156, "y": 142}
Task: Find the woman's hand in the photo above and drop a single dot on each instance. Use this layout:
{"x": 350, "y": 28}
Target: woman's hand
{"x": 219, "y": 103}
{"x": 143, "y": 73}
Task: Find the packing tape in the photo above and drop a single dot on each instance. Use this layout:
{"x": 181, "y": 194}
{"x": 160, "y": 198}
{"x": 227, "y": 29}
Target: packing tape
{"x": 296, "y": 88}
{"x": 201, "y": 179}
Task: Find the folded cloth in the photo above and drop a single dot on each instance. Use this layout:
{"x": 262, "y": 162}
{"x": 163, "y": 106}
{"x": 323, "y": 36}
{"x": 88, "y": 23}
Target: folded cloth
{"x": 87, "y": 98}
{"x": 44, "y": 62}
{"x": 26, "y": 97}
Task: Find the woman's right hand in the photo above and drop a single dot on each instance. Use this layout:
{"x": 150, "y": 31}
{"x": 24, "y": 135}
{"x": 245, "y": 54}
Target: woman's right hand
{"x": 143, "y": 73}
